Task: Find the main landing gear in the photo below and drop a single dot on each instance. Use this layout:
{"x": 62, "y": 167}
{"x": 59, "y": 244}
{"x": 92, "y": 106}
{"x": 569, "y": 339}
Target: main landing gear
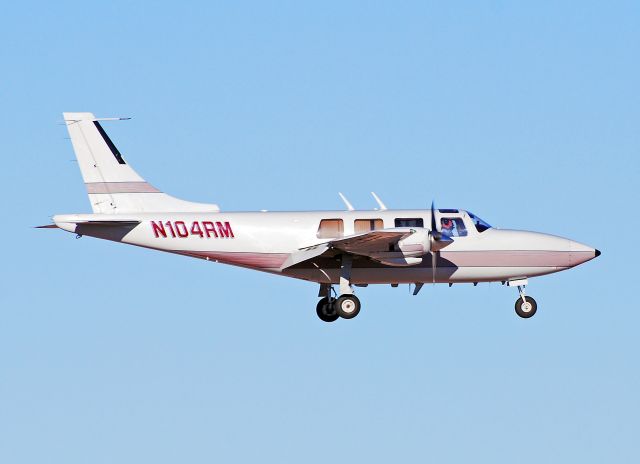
{"x": 330, "y": 309}
{"x": 347, "y": 305}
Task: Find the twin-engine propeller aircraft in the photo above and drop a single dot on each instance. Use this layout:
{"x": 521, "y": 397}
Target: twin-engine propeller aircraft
{"x": 343, "y": 248}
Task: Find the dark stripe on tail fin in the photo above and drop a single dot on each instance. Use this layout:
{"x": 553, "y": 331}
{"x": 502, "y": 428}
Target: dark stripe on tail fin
{"x": 109, "y": 143}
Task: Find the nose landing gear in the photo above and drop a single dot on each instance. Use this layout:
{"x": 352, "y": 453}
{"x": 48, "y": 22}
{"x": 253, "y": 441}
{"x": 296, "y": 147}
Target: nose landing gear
{"x": 525, "y": 306}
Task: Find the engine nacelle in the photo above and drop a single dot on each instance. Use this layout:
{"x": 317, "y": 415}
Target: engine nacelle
{"x": 416, "y": 244}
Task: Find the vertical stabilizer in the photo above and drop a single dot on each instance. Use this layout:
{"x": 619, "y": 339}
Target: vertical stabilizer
{"x": 113, "y": 186}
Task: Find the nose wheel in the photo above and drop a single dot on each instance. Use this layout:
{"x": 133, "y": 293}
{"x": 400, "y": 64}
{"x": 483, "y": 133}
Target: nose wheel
{"x": 525, "y": 306}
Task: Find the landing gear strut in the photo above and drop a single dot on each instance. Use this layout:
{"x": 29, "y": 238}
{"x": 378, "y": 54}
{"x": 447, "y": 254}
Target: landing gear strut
{"x": 347, "y": 306}
{"x": 525, "y": 306}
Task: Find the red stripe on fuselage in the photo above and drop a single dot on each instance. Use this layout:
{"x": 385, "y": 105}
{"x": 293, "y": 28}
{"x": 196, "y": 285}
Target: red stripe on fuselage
{"x": 253, "y": 260}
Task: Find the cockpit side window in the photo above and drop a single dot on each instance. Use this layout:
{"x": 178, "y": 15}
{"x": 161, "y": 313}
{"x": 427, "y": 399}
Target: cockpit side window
{"x": 452, "y": 227}
{"x": 480, "y": 225}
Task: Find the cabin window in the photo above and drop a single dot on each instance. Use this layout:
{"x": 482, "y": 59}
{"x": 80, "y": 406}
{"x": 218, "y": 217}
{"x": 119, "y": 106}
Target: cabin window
{"x": 452, "y": 227}
{"x": 331, "y": 228}
{"x": 409, "y": 222}
{"x": 365, "y": 225}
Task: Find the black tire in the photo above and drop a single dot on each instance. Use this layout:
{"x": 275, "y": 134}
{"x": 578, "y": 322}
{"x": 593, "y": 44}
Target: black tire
{"x": 325, "y": 310}
{"x": 528, "y": 311}
{"x": 347, "y": 306}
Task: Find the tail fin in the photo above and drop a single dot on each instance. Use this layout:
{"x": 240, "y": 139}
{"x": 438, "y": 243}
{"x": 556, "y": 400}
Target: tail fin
{"x": 113, "y": 186}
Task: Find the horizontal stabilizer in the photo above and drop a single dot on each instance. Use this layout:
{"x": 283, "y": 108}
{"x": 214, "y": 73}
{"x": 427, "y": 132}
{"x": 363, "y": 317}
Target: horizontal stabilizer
{"x": 110, "y": 223}
{"x": 97, "y": 225}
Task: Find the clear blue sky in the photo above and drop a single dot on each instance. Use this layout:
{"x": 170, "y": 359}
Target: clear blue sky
{"x": 528, "y": 115}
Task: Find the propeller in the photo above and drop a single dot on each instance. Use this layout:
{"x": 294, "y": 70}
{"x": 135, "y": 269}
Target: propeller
{"x": 434, "y": 235}
{"x": 434, "y": 230}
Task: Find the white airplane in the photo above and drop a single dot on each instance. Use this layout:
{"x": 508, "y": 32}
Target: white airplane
{"x": 343, "y": 248}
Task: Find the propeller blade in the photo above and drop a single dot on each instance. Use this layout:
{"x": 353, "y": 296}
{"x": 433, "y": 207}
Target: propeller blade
{"x": 434, "y": 236}
{"x": 433, "y": 266}
{"x": 434, "y": 229}
{"x": 433, "y": 216}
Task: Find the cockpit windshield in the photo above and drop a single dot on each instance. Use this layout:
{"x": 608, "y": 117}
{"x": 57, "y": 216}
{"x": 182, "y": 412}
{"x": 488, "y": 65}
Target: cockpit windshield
{"x": 481, "y": 225}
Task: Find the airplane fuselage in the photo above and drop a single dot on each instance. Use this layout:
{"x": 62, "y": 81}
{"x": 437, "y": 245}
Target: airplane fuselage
{"x": 265, "y": 241}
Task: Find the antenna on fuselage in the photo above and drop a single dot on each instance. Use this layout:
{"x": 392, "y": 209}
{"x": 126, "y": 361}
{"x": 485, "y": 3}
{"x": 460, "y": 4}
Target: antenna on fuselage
{"x": 379, "y": 201}
{"x": 346, "y": 202}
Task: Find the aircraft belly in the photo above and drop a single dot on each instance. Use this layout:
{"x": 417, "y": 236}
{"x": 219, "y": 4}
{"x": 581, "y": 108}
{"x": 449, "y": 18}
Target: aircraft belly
{"x": 261, "y": 261}
{"x": 391, "y": 275}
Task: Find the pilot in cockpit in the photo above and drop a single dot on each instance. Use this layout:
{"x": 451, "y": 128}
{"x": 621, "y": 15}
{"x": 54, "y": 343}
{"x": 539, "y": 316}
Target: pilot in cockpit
{"x": 447, "y": 227}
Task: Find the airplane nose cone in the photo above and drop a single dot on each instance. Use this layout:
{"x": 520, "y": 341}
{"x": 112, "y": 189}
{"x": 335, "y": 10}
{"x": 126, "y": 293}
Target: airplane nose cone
{"x": 581, "y": 253}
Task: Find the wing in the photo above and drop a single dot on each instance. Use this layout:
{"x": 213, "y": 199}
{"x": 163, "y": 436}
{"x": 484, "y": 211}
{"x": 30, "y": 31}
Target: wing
{"x": 374, "y": 241}
{"x": 373, "y": 245}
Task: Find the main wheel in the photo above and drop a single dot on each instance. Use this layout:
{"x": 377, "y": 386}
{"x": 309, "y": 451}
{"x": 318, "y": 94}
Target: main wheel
{"x": 347, "y": 306}
{"x": 326, "y": 309}
{"x": 527, "y": 308}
